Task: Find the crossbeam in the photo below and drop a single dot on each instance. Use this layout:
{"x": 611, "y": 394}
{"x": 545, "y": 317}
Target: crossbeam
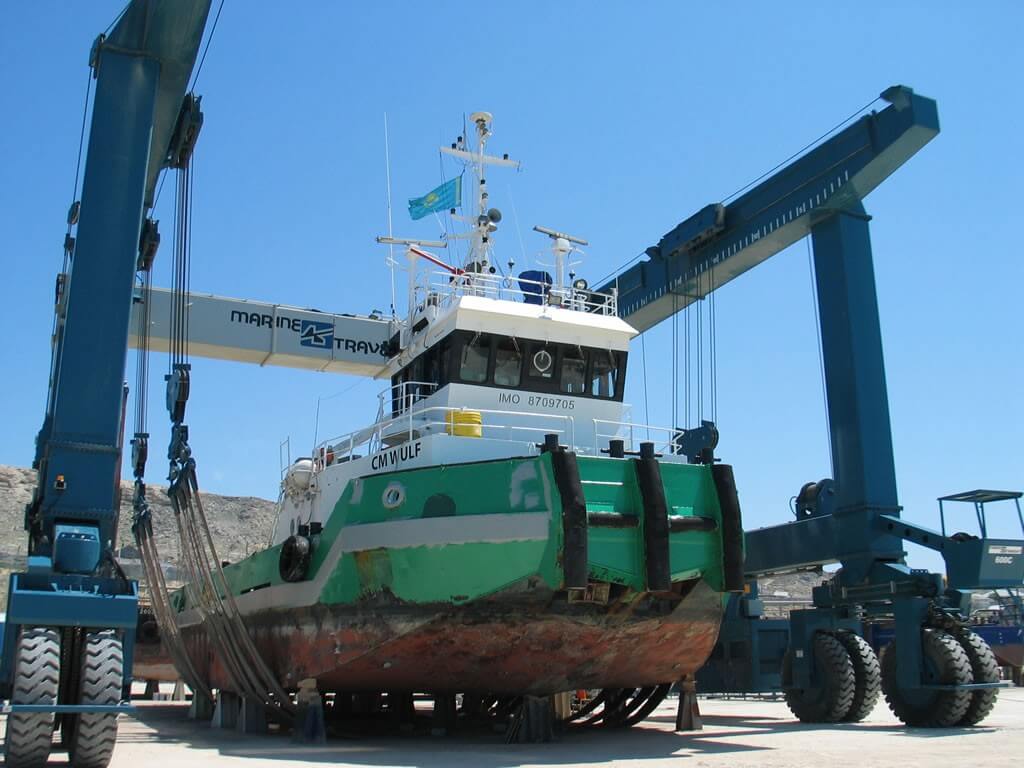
{"x": 269, "y": 334}
{"x": 715, "y": 246}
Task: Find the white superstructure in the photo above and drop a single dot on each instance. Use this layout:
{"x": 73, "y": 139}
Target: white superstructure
{"x": 483, "y": 366}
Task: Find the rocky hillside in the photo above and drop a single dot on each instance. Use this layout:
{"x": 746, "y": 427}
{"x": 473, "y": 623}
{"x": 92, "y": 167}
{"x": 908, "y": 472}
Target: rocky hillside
{"x": 239, "y": 524}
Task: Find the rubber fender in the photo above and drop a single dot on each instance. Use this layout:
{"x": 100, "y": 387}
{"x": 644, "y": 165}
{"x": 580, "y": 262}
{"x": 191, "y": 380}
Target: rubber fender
{"x": 656, "y": 528}
{"x": 295, "y": 556}
{"x": 732, "y": 526}
{"x": 574, "y": 519}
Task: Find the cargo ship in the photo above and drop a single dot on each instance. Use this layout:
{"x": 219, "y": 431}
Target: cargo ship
{"x": 502, "y": 528}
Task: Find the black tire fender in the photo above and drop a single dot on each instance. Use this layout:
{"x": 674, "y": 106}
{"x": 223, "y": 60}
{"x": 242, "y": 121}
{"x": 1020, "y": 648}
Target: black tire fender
{"x": 293, "y": 563}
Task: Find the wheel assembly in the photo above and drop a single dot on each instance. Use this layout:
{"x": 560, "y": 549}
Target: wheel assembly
{"x": 100, "y": 677}
{"x": 831, "y": 698}
{"x": 36, "y": 679}
{"x": 945, "y": 663}
{"x": 867, "y": 676}
{"x": 984, "y": 669}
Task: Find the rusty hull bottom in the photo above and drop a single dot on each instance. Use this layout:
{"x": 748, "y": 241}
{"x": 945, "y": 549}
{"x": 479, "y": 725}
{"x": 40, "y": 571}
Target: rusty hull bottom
{"x": 153, "y": 662}
{"x": 1009, "y": 655}
{"x": 498, "y": 646}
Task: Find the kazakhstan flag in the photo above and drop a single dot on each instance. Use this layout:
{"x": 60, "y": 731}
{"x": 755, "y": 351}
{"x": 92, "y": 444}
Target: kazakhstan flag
{"x": 445, "y": 197}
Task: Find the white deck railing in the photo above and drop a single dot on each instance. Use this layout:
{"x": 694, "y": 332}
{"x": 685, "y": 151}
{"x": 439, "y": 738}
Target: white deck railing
{"x": 442, "y": 288}
{"x": 664, "y": 438}
{"x": 513, "y": 426}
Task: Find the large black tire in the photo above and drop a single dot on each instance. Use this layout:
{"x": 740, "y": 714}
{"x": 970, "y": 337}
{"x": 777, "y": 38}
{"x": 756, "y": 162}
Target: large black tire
{"x": 92, "y": 742}
{"x": 867, "y": 673}
{"x": 831, "y": 700}
{"x": 293, "y": 562}
{"x": 946, "y": 663}
{"x": 984, "y": 669}
{"x": 36, "y": 679}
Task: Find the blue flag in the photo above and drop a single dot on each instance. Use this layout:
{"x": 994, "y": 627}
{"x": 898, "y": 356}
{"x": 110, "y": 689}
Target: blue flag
{"x": 445, "y": 197}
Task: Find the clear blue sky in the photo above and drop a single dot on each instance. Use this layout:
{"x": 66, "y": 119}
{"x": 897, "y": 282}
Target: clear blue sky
{"x": 628, "y": 117}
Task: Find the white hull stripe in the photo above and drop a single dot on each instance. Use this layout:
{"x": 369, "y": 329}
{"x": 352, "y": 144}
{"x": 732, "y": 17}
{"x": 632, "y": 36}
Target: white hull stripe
{"x": 431, "y": 531}
{"x": 442, "y": 531}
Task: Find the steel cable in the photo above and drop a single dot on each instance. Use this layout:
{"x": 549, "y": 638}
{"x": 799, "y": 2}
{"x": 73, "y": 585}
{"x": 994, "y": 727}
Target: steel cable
{"x": 246, "y": 665}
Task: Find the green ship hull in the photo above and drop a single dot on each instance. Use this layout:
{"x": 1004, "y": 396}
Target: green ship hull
{"x": 468, "y": 578}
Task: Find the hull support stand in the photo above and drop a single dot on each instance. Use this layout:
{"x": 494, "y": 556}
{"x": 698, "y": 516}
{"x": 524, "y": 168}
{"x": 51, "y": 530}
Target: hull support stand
{"x": 688, "y": 715}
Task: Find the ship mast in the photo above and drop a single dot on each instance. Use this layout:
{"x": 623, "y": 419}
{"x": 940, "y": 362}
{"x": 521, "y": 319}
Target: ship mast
{"x": 485, "y": 220}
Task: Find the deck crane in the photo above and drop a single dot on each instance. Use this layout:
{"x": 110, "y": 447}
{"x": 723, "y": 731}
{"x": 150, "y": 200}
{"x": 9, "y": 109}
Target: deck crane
{"x": 937, "y": 673}
{"x": 71, "y": 614}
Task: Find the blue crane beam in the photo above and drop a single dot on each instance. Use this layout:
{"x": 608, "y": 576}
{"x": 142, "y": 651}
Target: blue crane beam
{"x": 818, "y": 194}
{"x": 142, "y": 70}
{"x": 719, "y": 243}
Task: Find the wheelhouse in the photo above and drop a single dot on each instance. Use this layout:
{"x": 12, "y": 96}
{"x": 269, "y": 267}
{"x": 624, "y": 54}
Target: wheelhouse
{"x": 510, "y": 362}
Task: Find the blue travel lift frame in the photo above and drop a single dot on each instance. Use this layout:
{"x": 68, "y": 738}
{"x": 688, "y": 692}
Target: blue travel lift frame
{"x": 142, "y": 69}
{"x": 855, "y": 518}
{"x": 748, "y": 656}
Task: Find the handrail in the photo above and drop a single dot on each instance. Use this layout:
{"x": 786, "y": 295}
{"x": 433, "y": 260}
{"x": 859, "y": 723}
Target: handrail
{"x": 407, "y": 393}
{"x": 421, "y": 419}
{"x": 627, "y": 431}
{"x": 441, "y": 289}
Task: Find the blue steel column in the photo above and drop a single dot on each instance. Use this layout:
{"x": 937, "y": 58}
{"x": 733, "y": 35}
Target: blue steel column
{"x": 858, "y": 404}
{"x": 84, "y": 439}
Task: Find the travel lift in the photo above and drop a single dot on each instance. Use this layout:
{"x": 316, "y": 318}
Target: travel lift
{"x": 73, "y": 611}
{"x": 937, "y": 672}
{"x": 937, "y": 669}
{"x": 71, "y": 615}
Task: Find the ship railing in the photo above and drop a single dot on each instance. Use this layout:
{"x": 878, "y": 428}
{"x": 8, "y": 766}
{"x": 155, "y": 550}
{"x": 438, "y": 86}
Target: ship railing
{"x": 443, "y": 419}
{"x": 512, "y": 426}
{"x": 442, "y": 288}
{"x": 665, "y": 439}
{"x": 401, "y": 397}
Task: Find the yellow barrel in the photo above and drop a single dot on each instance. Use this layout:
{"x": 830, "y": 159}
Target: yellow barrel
{"x": 465, "y": 423}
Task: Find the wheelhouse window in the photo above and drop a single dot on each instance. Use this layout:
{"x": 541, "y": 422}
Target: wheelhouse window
{"x": 574, "y": 371}
{"x": 604, "y": 376}
{"x": 491, "y": 360}
{"x": 476, "y": 352}
{"x": 508, "y": 362}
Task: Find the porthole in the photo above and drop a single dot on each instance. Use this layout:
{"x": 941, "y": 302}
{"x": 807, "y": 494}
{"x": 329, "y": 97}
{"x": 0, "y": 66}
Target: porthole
{"x": 393, "y": 496}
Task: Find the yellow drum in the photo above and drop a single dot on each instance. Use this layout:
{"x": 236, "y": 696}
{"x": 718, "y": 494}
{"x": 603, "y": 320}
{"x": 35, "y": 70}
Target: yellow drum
{"x": 465, "y": 423}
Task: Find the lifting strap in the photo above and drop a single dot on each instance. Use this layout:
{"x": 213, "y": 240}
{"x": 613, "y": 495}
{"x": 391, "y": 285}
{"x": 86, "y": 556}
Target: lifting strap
{"x": 206, "y": 591}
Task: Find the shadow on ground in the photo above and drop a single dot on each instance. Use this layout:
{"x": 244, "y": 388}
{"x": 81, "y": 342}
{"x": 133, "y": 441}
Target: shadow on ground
{"x": 473, "y": 745}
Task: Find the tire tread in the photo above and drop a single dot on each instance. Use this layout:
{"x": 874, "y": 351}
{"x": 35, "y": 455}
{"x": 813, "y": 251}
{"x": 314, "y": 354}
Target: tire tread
{"x": 984, "y": 669}
{"x": 944, "y": 708}
{"x": 832, "y": 702}
{"x": 868, "y": 674}
{"x": 95, "y": 734}
{"x": 29, "y": 736}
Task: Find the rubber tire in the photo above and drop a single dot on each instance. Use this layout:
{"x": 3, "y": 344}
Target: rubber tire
{"x": 101, "y": 673}
{"x": 293, "y": 562}
{"x": 942, "y": 709}
{"x": 36, "y": 679}
{"x": 831, "y": 702}
{"x": 984, "y": 669}
{"x": 867, "y": 673}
